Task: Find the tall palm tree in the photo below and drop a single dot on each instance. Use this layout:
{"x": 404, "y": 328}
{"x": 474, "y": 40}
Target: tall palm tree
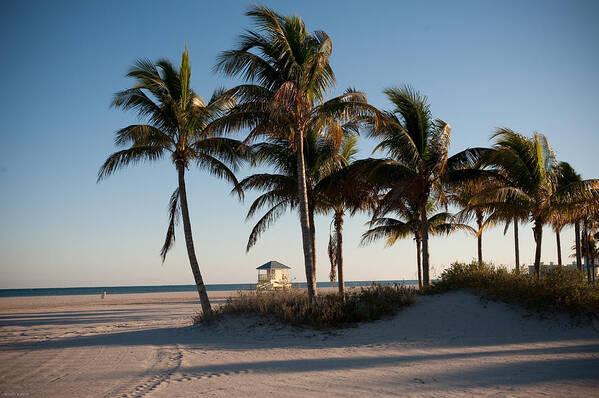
{"x": 408, "y": 224}
{"x": 575, "y": 201}
{"x": 176, "y": 125}
{"x": 418, "y": 163}
{"x": 288, "y": 75}
{"x": 567, "y": 176}
{"x": 531, "y": 171}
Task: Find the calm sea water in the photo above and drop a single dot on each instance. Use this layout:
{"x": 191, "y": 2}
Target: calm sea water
{"x": 74, "y": 291}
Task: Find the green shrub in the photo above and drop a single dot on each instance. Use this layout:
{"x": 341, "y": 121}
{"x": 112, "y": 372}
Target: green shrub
{"x": 559, "y": 289}
{"x": 328, "y": 311}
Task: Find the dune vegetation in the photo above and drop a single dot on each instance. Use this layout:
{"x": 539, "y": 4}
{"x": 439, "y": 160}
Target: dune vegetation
{"x": 559, "y": 290}
{"x": 327, "y": 312}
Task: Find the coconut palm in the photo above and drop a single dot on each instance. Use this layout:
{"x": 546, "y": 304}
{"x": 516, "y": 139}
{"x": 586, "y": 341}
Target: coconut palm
{"x": 288, "y": 75}
{"x": 408, "y": 224}
{"x": 418, "y": 163}
{"x": 567, "y": 176}
{"x": 500, "y": 212}
{"x": 176, "y": 120}
{"x": 531, "y": 171}
{"x": 343, "y": 191}
{"x": 461, "y": 196}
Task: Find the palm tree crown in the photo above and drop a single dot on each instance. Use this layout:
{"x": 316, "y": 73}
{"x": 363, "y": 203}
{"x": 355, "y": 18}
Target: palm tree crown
{"x": 531, "y": 173}
{"x": 177, "y": 121}
{"x": 288, "y": 75}
{"x": 418, "y": 163}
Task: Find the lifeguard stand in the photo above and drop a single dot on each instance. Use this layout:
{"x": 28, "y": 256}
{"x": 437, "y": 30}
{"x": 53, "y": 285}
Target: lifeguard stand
{"x": 273, "y": 275}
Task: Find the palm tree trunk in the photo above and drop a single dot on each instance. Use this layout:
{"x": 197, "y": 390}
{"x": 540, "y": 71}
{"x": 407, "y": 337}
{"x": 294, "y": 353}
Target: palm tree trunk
{"x": 559, "y": 248}
{"x": 419, "y": 262}
{"x": 586, "y": 249}
{"x": 313, "y": 240}
{"x": 479, "y": 224}
{"x": 577, "y": 243}
{"x": 538, "y": 233}
{"x": 426, "y": 280}
{"x": 516, "y": 245}
{"x": 195, "y": 268}
{"x": 304, "y": 217}
{"x": 339, "y": 232}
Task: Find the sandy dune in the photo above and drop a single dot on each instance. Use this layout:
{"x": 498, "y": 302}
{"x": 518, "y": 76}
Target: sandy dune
{"x": 143, "y": 345}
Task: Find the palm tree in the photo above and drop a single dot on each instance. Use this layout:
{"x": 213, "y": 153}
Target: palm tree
{"x": 593, "y": 253}
{"x": 515, "y": 219}
{"x": 343, "y": 190}
{"x": 531, "y": 175}
{"x": 288, "y": 75}
{"x": 418, "y": 163}
{"x": 330, "y": 186}
{"x": 408, "y": 224}
{"x": 176, "y": 121}
{"x": 501, "y": 212}
{"x": 461, "y": 196}
{"x": 590, "y": 235}
{"x": 576, "y": 200}
{"x": 567, "y": 176}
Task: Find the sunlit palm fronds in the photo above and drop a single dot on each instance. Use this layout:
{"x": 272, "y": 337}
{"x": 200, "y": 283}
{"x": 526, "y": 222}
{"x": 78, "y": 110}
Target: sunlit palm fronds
{"x": 287, "y": 78}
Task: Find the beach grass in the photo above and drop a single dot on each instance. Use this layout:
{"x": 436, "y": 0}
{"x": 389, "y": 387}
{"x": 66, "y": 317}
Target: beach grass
{"x": 558, "y": 290}
{"x": 328, "y": 311}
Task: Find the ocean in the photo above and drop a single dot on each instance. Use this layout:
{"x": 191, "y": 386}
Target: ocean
{"x": 75, "y": 291}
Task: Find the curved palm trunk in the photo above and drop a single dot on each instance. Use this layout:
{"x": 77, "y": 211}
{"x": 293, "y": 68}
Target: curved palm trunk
{"x": 577, "y": 243}
{"x": 426, "y": 280}
{"x": 339, "y": 232}
{"x": 538, "y": 233}
{"x": 419, "y": 262}
{"x": 516, "y": 245}
{"x": 195, "y": 268}
{"x": 479, "y": 224}
{"x": 304, "y": 217}
{"x": 559, "y": 248}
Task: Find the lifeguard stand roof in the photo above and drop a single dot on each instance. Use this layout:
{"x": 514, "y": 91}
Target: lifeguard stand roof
{"x": 273, "y": 265}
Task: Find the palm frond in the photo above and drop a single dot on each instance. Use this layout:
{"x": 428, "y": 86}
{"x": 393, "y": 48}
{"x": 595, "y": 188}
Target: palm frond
{"x": 174, "y": 210}
{"x": 218, "y": 169}
{"x": 133, "y": 155}
{"x": 265, "y": 222}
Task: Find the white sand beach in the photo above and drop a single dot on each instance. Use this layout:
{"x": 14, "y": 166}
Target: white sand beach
{"x": 144, "y": 345}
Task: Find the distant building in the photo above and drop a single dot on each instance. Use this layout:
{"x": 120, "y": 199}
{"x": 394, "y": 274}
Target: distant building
{"x": 551, "y": 265}
{"x": 273, "y": 275}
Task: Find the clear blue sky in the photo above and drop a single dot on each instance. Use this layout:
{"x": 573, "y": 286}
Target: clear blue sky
{"x": 528, "y": 65}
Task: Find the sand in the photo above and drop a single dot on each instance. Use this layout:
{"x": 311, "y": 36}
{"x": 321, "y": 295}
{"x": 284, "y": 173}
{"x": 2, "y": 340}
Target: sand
{"x": 144, "y": 345}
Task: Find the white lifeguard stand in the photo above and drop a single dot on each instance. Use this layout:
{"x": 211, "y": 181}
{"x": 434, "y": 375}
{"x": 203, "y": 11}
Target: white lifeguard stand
{"x": 273, "y": 275}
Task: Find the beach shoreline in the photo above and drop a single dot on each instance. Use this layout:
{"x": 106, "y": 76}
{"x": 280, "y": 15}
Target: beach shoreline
{"x": 10, "y": 304}
{"x": 95, "y": 300}
{"x": 146, "y": 345}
